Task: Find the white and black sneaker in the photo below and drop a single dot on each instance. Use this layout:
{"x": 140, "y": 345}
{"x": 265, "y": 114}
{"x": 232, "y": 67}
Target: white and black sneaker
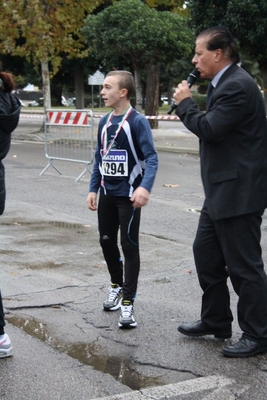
{"x": 126, "y": 317}
{"x": 5, "y": 346}
{"x": 114, "y": 298}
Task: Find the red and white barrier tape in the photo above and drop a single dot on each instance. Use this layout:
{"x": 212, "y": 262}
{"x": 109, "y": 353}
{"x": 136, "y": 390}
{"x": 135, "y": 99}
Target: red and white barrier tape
{"x": 153, "y": 117}
{"x": 161, "y": 117}
{"x": 22, "y": 115}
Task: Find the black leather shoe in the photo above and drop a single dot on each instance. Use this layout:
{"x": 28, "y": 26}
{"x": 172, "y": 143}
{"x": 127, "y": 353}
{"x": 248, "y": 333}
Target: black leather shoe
{"x": 244, "y": 348}
{"x": 201, "y": 329}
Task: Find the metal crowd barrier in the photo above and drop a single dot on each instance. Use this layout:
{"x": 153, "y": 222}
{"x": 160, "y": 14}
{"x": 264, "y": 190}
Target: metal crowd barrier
{"x": 69, "y": 137}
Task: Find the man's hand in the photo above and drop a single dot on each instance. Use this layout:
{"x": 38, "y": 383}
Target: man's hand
{"x": 91, "y": 201}
{"x": 181, "y": 92}
{"x": 140, "y": 197}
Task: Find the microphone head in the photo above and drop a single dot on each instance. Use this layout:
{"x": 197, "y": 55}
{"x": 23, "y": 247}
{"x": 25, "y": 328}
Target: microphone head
{"x": 192, "y": 77}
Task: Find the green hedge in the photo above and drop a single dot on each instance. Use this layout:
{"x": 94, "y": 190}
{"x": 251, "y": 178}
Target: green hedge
{"x": 200, "y": 100}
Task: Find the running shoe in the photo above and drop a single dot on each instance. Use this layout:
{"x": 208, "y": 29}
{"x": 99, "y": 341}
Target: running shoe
{"x": 114, "y": 298}
{"x": 5, "y": 346}
{"x": 126, "y": 317}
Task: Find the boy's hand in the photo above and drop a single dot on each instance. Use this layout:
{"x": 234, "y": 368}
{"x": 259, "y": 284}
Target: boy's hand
{"x": 91, "y": 201}
{"x": 140, "y": 197}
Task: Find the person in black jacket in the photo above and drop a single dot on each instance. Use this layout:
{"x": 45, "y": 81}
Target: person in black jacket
{"x": 233, "y": 158}
{"x": 9, "y": 118}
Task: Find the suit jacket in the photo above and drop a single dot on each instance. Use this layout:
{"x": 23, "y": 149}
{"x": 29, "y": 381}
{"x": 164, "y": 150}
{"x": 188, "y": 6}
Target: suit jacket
{"x": 233, "y": 145}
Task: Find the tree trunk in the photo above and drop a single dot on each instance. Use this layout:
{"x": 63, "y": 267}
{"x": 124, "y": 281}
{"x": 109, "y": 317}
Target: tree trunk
{"x": 152, "y": 92}
{"x": 264, "y": 75}
{"x": 138, "y": 90}
{"x": 79, "y": 86}
{"x": 46, "y": 85}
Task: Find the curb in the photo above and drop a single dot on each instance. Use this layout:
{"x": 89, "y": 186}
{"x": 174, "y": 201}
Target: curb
{"x": 177, "y": 150}
{"x": 171, "y": 391}
{"x": 37, "y": 138}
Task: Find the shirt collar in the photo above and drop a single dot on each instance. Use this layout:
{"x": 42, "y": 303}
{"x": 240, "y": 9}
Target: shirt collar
{"x": 216, "y": 78}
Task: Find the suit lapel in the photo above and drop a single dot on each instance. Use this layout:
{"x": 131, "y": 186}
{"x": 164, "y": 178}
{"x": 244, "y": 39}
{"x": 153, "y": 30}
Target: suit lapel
{"x": 226, "y": 74}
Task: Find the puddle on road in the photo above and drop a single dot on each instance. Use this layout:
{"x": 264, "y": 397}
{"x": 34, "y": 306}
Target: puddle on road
{"x": 123, "y": 370}
{"x": 81, "y": 228}
{"x": 10, "y": 252}
{"x": 36, "y": 226}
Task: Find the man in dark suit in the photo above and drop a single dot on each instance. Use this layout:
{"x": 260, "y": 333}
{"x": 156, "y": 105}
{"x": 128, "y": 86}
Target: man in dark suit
{"x": 233, "y": 154}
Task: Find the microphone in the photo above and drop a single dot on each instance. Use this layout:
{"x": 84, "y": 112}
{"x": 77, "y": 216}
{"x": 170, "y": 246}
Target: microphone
{"x": 192, "y": 77}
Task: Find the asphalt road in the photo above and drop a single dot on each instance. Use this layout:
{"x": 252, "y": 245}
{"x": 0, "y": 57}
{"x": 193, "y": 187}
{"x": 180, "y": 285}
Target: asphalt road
{"x": 54, "y": 280}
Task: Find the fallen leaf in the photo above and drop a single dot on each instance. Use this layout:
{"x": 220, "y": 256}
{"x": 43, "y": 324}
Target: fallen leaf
{"x": 170, "y": 185}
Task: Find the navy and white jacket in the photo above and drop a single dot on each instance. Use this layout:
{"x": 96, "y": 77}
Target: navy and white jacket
{"x": 134, "y": 139}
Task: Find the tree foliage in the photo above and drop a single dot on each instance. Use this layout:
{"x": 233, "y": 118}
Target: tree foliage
{"x": 175, "y": 6}
{"x": 131, "y": 33}
{"x": 206, "y": 13}
{"x": 43, "y": 29}
{"x": 246, "y": 19}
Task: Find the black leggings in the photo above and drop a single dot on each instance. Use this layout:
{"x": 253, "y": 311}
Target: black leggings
{"x": 2, "y": 321}
{"x": 114, "y": 213}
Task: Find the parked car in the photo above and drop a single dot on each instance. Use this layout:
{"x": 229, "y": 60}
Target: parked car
{"x": 68, "y": 103}
{"x": 164, "y": 100}
{"x": 33, "y": 103}
{"x": 64, "y": 101}
{"x": 72, "y": 101}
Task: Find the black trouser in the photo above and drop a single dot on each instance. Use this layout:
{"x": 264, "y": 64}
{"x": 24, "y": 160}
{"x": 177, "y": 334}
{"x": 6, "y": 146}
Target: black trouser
{"x": 114, "y": 213}
{"x": 2, "y": 188}
{"x": 2, "y": 321}
{"x": 235, "y": 243}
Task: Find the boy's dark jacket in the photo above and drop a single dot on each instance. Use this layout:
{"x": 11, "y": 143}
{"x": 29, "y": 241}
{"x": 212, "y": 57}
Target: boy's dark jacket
{"x": 9, "y": 118}
{"x": 136, "y": 138}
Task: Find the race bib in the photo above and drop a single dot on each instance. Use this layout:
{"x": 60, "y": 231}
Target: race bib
{"x": 115, "y": 163}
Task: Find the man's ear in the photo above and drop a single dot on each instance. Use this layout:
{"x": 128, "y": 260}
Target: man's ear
{"x": 218, "y": 55}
